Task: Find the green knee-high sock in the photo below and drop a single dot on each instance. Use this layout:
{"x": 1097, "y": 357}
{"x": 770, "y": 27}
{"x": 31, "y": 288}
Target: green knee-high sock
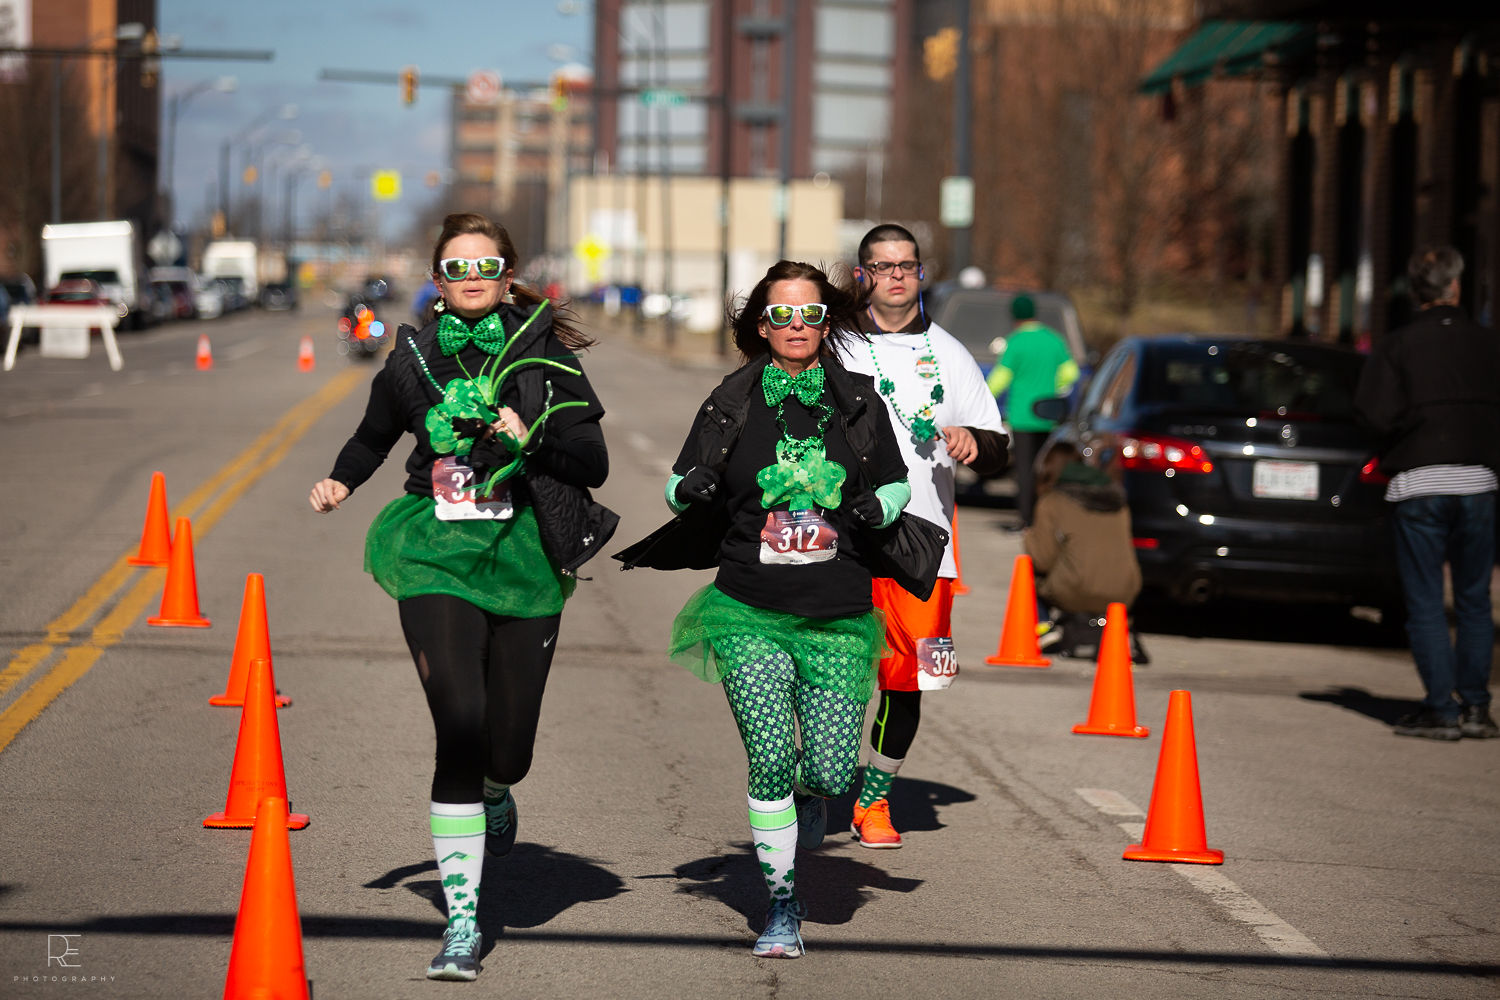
{"x": 458, "y": 841}
{"x": 879, "y": 773}
{"x": 773, "y": 825}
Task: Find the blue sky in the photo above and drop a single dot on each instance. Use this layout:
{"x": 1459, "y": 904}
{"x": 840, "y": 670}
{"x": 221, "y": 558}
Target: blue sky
{"x": 354, "y": 127}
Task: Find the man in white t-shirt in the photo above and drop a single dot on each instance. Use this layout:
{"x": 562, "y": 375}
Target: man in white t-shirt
{"x": 943, "y": 413}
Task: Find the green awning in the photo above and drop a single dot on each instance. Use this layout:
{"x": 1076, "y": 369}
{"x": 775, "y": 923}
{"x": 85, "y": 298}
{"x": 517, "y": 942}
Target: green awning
{"x": 1229, "y": 48}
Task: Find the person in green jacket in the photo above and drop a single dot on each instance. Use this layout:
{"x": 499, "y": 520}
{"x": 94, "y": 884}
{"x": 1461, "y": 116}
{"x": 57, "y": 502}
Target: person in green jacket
{"x": 1035, "y": 364}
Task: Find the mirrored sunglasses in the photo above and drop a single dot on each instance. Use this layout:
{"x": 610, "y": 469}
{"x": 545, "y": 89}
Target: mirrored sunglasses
{"x": 780, "y": 314}
{"x": 457, "y": 268}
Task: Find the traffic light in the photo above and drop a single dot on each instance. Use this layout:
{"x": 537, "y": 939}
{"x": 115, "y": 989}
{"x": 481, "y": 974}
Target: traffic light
{"x": 409, "y": 85}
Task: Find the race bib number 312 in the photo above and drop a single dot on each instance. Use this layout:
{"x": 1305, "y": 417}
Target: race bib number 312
{"x": 796, "y": 538}
{"x": 937, "y": 664}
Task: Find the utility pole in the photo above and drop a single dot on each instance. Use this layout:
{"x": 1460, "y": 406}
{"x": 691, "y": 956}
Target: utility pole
{"x": 726, "y": 149}
{"x": 788, "y": 81}
{"x": 961, "y": 220}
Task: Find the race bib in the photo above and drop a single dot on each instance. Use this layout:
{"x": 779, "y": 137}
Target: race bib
{"x": 797, "y": 537}
{"x": 937, "y": 664}
{"x": 458, "y": 498}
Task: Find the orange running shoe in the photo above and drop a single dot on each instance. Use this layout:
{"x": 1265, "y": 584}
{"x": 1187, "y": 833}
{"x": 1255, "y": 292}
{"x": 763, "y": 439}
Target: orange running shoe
{"x": 872, "y": 825}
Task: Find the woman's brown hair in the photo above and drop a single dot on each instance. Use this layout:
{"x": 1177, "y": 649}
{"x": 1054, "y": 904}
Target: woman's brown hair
{"x": 835, "y": 294}
{"x": 564, "y": 319}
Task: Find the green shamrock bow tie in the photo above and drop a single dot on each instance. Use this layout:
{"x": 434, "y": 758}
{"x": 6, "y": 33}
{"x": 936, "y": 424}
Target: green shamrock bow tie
{"x": 488, "y": 334}
{"x": 777, "y": 385}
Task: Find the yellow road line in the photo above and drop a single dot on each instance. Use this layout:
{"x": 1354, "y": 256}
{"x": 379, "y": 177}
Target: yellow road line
{"x": 236, "y": 478}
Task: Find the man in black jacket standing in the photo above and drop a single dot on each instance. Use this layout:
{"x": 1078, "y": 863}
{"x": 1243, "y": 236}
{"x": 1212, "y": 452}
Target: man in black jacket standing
{"x": 1432, "y": 390}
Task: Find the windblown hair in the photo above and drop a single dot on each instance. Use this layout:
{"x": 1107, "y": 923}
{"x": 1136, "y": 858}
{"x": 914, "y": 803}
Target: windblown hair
{"x": 564, "y": 319}
{"x": 1432, "y": 270}
{"x": 834, "y": 293}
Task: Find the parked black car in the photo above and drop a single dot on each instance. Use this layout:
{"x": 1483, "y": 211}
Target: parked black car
{"x": 1245, "y": 470}
{"x": 278, "y": 295}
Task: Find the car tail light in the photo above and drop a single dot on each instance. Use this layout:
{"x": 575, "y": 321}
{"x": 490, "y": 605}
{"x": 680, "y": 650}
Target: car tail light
{"x": 1157, "y": 453}
{"x": 1146, "y": 543}
{"x": 1371, "y": 473}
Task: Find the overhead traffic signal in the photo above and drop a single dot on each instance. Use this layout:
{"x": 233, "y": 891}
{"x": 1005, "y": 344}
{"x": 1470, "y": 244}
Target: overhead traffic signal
{"x": 409, "y": 80}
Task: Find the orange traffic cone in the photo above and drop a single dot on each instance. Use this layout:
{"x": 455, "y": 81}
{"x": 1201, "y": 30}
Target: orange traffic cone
{"x": 179, "y": 598}
{"x": 1018, "y": 645}
{"x": 156, "y": 543}
{"x": 251, "y": 642}
{"x": 306, "y": 362}
{"x": 257, "y": 772}
{"x": 205, "y": 353}
{"x": 266, "y": 958}
{"x": 959, "y": 587}
{"x": 1112, "y": 707}
{"x": 1174, "y": 823}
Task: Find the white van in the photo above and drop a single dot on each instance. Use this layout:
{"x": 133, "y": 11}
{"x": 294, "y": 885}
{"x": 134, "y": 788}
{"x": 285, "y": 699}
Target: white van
{"x": 107, "y": 252}
{"x": 233, "y": 259}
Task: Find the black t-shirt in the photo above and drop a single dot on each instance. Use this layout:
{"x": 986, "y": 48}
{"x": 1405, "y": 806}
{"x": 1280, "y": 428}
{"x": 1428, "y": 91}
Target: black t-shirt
{"x": 833, "y": 588}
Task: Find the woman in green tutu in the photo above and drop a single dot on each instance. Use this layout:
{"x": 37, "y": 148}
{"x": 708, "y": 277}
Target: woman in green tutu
{"x": 789, "y": 466}
{"x": 481, "y": 550}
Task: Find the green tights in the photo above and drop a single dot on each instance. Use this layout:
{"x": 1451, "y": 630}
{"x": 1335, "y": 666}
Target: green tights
{"x": 767, "y": 695}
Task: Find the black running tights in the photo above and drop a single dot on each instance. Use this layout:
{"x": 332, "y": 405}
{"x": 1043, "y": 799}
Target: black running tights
{"x": 484, "y": 676}
{"x": 895, "y": 724}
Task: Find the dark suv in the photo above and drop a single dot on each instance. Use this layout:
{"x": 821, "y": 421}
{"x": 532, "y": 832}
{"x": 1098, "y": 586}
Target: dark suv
{"x": 1246, "y": 472}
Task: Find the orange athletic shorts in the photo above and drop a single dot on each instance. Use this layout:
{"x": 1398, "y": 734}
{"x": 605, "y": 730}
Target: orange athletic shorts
{"x": 907, "y": 620}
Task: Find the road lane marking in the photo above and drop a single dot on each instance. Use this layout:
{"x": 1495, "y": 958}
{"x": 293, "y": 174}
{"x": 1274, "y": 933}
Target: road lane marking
{"x": 1275, "y": 933}
{"x": 236, "y": 478}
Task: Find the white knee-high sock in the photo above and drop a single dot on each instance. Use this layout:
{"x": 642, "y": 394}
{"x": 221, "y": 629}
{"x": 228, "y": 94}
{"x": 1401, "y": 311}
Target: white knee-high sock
{"x": 458, "y": 842}
{"x": 773, "y": 826}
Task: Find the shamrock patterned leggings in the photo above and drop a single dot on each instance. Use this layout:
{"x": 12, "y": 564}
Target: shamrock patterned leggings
{"x": 765, "y": 693}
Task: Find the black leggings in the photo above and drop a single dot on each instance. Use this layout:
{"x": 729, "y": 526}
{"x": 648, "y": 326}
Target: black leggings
{"x": 895, "y": 724}
{"x": 484, "y": 676}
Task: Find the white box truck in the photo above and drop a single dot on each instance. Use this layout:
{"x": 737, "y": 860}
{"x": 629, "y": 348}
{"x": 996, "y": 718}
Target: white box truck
{"x": 233, "y": 259}
{"x": 109, "y": 253}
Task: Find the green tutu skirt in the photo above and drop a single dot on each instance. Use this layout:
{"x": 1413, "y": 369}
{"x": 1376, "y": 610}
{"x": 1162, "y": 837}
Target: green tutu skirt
{"x": 834, "y": 654}
{"x": 499, "y": 566}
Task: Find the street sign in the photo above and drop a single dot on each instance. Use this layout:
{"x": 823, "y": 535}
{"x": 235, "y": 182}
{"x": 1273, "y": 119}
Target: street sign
{"x": 385, "y": 185}
{"x": 956, "y": 202}
{"x": 164, "y": 247}
{"x": 660, "y": 97}
{"x": 483, "y": 87}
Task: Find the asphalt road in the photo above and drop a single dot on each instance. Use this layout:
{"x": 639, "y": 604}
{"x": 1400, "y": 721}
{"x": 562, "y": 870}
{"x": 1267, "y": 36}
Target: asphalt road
{"x": 1357, "y": 864}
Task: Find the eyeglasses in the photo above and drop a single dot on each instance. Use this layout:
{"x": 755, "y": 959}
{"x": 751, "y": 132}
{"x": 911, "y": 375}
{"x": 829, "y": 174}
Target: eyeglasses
{"x": 888, "y": 266}
{"x": 780, "y": 314}
{"x": 457, "y": 268}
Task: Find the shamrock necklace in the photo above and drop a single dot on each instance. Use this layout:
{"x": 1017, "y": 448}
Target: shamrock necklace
{"x": 922, "y": 424}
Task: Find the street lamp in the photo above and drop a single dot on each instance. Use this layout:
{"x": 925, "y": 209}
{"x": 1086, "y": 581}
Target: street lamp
{"x": 175, "y": 104}
{"x": 286, "y": 112}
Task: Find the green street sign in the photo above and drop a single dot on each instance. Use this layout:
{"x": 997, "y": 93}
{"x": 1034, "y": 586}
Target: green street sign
{"x": 663, "y": 98}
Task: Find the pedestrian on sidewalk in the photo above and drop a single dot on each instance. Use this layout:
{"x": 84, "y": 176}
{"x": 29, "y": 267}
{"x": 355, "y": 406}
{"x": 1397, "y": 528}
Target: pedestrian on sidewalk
{"x": 790, "y": 465}
{"x": 1431, "y": 389}
{"x": 1035, "y": 364}
{"x": 944, "y": 414}
{"x": 481, "y": 550}
{"x": 1081, "y": 547}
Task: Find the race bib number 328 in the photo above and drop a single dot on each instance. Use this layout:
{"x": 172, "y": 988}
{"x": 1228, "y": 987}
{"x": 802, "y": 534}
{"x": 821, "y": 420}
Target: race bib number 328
{"x": 937, "y": 663}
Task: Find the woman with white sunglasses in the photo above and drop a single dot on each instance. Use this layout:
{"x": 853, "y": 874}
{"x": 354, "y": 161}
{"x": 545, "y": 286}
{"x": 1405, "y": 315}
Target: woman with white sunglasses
{"x": 481, "y": 550}
{"x": 790, "y": 466}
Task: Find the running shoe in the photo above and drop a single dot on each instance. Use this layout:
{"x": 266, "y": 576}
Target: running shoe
{"x": 812, "y": 819}
{"x": 783, "y": 934}
{"x": 459, "y": 959}
{"x": 500, "y": 826}
{"x": 872, "y": 825}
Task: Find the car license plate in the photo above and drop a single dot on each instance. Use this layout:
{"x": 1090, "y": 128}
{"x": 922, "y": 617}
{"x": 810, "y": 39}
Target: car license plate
{"x": 1285, "y": 480}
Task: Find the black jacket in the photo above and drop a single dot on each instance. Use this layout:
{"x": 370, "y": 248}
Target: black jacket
{"x": 691, "y": 540}
{"x": 565, "y": 458}
{"x": 1431, "y": 389}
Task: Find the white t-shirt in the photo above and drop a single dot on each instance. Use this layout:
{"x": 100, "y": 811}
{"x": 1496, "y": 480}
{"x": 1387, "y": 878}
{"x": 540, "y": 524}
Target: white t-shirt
{"x": 907, "y": 361}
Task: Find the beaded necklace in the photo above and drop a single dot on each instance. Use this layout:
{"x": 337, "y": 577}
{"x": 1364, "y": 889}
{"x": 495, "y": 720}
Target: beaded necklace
{"x": 922, "y": 424}
{"x": 803, "y": 476}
